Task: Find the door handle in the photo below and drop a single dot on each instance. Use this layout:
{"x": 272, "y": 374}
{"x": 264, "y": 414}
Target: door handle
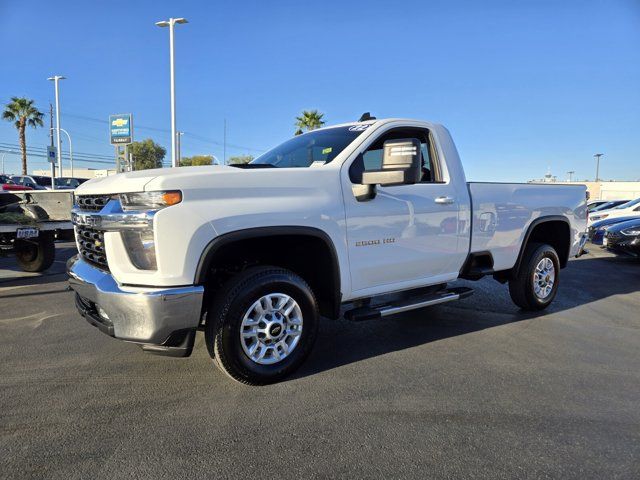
{"x": 444, "y": 200}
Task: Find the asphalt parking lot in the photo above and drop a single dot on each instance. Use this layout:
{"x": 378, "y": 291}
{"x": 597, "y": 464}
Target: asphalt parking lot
{"x": 473, "y": 389}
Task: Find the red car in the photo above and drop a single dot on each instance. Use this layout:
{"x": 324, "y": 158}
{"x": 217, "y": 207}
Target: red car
{"x": 8, "y": 185}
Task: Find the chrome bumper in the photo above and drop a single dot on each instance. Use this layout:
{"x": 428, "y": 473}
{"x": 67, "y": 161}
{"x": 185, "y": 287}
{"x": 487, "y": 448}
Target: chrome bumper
{"x": 150, "y": 316}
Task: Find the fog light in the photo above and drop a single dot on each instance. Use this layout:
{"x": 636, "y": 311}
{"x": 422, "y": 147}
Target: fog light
{"x": 141, "y": 248}
{"x": 102, "y": 313}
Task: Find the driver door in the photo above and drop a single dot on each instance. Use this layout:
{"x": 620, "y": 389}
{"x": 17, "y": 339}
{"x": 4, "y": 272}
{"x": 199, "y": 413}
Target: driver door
{"x": 407, "y": 235}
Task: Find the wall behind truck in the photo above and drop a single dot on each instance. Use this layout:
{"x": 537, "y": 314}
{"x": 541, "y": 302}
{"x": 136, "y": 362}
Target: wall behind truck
{"x": 604, "y": 190}
{"x": 619, "y": 190}
{"x": 612, "y": 190}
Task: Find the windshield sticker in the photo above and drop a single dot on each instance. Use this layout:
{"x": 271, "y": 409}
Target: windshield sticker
{"x": 326, "y": 150}
{"x": 359, "y": 128}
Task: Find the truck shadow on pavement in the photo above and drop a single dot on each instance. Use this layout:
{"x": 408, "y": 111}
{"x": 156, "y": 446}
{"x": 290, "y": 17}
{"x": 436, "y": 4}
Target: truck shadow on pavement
{"x": 586, "y": 280}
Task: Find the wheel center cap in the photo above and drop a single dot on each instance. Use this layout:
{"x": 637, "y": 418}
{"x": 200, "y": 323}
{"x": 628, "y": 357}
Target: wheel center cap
{"x": 275, "y": 330}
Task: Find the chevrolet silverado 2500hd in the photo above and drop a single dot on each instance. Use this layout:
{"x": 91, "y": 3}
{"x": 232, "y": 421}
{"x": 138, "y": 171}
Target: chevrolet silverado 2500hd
{"x": 324, "y": 224}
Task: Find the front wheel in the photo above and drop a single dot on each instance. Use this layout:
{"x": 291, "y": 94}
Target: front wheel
{"x": 536, "y": 284}
{"x": 262, "y": 325}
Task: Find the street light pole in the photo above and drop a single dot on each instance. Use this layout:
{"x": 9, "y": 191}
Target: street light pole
{"x": 70, "y": 150}
{"x": 56, "y": 79}
{"x": 571, "y": 172}
{"x": 597, "y": 157}
{"x": 179, "y": 134}
{"x": 174, "y": 139}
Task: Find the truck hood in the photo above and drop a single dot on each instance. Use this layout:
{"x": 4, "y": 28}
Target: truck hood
{"x": 140, "y": 181}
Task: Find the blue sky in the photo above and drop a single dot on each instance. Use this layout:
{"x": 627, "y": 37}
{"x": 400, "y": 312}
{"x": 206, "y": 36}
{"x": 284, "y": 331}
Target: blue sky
{"x": 522, "y": 85}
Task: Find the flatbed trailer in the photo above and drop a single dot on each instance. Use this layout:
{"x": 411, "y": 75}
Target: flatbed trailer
{"x": 45, "y": 216}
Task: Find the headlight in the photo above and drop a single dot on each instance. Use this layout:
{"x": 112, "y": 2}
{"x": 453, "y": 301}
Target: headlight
{"x": 632, "y": 232}
{"x": 149, "y": 200}
{"x": 141, "y": 248}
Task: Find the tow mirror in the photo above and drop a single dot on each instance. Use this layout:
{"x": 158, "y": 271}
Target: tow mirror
{"x": 400, "y": 164}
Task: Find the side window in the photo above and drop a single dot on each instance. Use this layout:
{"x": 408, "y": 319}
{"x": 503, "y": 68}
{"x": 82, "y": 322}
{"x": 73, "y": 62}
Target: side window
{"x": 372, "y": 157}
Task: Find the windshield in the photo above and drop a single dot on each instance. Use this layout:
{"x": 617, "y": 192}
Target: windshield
{"x": 628, "y": 204}
{"x": 67, "y": 182}
{"x": 319, "y": 147}
{"x": 43, "y": 181}
{"x": 605, "y": 206}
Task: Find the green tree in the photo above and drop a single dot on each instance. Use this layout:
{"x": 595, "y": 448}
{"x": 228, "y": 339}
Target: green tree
{"x": 147, "y": 154}
{"x": 196, "y": 160}
{"x": 240, "y": 159}
{"x": 23, "y": 112}
{"x": 309, "y": 120}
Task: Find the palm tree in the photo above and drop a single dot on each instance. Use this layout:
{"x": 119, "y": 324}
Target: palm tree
{"x": 23, "y": 113}
{"x": 309, "y": 120}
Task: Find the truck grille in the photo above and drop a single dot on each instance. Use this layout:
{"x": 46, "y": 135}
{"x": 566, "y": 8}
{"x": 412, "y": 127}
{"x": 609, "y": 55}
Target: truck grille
{"x": 92, "y": 203}
{"x": 91, "y": 246}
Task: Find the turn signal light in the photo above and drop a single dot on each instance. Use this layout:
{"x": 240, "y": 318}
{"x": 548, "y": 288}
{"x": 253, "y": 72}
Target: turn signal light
{"x": 172, "y": 198}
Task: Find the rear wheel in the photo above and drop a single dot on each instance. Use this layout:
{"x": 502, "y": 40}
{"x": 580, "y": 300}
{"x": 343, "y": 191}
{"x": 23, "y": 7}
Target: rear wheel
{"x": 536, "y": 283}
{"x": 262, "y": 325}
{"x": 37, "y": 255}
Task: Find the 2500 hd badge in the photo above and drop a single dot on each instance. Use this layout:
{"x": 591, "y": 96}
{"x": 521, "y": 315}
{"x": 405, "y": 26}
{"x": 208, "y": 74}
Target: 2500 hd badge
{"x": 367, "y": 243}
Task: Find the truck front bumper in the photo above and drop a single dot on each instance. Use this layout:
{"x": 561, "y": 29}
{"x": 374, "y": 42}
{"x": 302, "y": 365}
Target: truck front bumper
{"x": 163, "y": 320}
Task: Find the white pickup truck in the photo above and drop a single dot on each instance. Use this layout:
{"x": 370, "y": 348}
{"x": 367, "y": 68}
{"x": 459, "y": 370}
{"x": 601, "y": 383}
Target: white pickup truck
{"x": 328, "y": 223}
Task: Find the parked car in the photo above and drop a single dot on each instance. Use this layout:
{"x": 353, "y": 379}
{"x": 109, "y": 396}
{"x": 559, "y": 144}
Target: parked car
{"x": 69, "y": 183}
{"x": 607, "y": 205}
{"x": 624, "y": 237}
{"x": 8, "y": 185}
{"x": 327, "y": 222}
{"x": 597, "y": 229}
{"x": 37, "y": 182}
{"x": 626, "y": 209}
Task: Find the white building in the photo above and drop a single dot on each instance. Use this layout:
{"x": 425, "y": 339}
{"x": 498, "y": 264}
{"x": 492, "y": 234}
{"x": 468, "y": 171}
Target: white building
{"x": 79, "y": 172}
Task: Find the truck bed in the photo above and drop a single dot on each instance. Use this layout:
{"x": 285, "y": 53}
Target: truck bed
{"x": 502, "y": 213}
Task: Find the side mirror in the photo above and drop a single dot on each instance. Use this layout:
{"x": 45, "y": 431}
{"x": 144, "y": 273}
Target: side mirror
{"x": 400, "y": 164}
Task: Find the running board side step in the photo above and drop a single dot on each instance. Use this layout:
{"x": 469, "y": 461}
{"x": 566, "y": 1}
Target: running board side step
{"x": 371, "y": 313}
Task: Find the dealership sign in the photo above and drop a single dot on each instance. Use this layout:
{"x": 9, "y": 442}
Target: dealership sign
{"x": 121, "y": 129}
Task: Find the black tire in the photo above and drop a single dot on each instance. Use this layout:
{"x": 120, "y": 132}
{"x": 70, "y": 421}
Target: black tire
{"x": 522, "y": 289}
{"x": 38, "y": 255}
{"x": 227, "y": 310}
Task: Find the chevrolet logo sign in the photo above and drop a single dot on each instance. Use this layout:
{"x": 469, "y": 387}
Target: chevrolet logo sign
{"x": 119, "y": 122}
